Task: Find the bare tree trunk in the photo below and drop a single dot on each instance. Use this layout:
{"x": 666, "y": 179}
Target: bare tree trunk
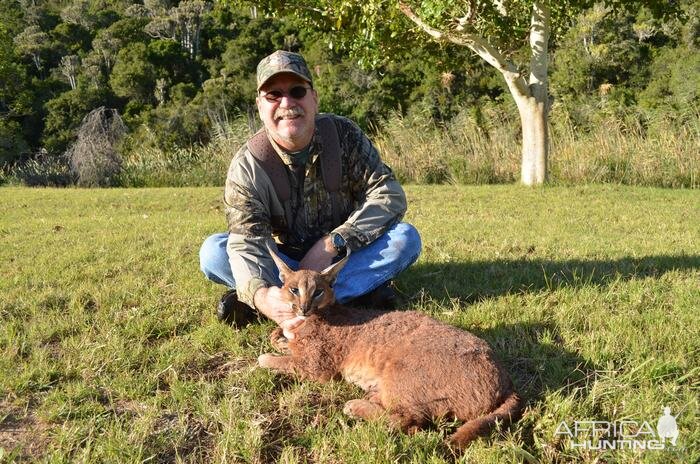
{"x": 533, "y": 117}
{"x": 69, "y": 67}
{"x": 533, "y": 110}
{"x": 531, "y": 95}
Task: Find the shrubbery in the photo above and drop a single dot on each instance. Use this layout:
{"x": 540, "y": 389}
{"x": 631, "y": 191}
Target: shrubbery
{"x": 486, "y": 150}
{"x": 183, "y": 92}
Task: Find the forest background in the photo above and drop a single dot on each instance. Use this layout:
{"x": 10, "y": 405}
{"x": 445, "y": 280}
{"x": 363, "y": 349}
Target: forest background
{"x": 169, "y": 88}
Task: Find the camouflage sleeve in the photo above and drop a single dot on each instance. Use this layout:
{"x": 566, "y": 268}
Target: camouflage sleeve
{"x": 246, "y": 211}
{"x": 247, "y": 207}
{"x": 381, "y": 200}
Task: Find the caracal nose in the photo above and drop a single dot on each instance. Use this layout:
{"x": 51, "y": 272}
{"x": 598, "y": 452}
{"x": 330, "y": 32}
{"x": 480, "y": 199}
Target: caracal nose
{"x": 305, "y": 310}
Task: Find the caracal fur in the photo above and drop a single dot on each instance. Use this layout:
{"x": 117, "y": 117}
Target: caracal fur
{"x": 413, "y": 369}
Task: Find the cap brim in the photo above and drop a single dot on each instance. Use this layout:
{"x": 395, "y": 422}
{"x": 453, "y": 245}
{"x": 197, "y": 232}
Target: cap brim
{"x": 283, "y": 71}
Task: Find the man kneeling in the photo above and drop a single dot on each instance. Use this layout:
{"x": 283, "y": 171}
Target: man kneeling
{"x": 317, "y": 185}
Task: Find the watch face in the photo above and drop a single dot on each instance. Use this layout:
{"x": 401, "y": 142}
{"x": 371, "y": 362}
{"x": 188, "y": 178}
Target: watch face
{"x": 338, "y": 242}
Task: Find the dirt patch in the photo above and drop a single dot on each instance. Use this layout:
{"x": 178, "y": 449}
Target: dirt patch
{"x": 22, "y": 434}
{"x": 128, "y": 408}
{"x": 218, "y": 366}
{"x": 185, "y": 438}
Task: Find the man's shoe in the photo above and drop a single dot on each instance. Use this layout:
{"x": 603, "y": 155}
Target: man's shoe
{"x": 233, "y": 312}
{"x": 383, "y": 297}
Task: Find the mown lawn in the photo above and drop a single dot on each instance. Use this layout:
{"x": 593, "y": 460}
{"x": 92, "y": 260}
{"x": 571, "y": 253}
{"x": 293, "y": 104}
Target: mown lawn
{"x": 110, "y": 351}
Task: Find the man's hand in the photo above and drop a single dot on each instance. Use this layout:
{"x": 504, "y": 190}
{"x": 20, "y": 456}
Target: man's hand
{"x": 269, "y": 301}
{"x": 320, "y": 256}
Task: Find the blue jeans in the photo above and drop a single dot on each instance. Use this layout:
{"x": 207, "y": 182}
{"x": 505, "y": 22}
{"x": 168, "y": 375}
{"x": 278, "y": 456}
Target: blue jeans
{"x": 367, "y": 268}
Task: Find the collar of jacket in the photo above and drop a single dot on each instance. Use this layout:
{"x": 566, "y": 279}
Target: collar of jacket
{"x": 288, "y": 159}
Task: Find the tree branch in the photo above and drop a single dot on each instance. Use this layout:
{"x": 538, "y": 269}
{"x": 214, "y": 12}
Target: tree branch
{"x": 478, "y": 45}
{"x": 539, "y": 38}
{"x": 469, "y": 17}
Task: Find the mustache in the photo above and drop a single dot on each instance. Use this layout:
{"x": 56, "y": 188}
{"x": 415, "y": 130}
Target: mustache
{"x": 289, "y": 112}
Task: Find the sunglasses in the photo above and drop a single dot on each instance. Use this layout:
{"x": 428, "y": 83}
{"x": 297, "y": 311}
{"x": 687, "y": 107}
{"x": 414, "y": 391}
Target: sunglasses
{"x": 297, "y": 92}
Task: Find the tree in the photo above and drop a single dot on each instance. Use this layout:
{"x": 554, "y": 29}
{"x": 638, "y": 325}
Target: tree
{"x": 670, "y": 91}
{"x": 93, "y": 157}
{"x": 109, "y": 41}
{"x": 70, "y": 39}
{"x": 69, "y": 67}
{"x": 188, "y": 16}
{"x": 133, "y": 75}
{"x": 65, "y": 113}
{"x": 106, "y": 46}
{"x": 171, "y": 62}
{"x": 13, "y": 76}
{"x": 78, "y": 12}
{"x": 12, "y": 144}
{"x": 32, "y": 10}
{"x": 496, "y": 31}
{"x": 32, "y": 41}
{"x": 181, "y": 23}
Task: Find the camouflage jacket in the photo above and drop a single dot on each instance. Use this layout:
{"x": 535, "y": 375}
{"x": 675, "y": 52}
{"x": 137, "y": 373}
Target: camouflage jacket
{"x": 371, "y": 197}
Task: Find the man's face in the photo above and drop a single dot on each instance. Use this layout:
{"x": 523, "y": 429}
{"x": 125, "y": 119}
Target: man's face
{"x": 289, "y": 120}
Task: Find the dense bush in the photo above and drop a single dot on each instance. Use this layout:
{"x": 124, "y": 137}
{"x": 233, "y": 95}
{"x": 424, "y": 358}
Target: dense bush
{"x": 182, "y": 73}
{"x": 11, "y": 141}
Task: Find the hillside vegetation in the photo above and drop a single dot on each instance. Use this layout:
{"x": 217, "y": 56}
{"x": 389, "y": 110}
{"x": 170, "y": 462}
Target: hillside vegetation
{"x": 180, "y": 75}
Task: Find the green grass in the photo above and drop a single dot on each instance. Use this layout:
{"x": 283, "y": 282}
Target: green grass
{"x": 110, "y": 351}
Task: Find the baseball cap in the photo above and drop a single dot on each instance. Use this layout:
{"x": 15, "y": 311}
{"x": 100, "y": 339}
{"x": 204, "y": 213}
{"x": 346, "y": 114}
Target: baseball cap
{"x": 282, "y": 61}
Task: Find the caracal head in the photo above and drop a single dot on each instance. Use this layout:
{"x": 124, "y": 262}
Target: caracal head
{"x": 307, "y": 290}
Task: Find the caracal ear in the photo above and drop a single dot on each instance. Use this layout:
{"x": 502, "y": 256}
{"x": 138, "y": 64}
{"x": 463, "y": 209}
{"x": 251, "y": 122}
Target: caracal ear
{"x": 331, "y": 272}
{"x": 285, "y": 271}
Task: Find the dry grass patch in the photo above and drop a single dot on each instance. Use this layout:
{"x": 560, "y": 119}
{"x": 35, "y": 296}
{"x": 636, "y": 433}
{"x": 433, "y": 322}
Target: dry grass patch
{"x": 23, "y": 435}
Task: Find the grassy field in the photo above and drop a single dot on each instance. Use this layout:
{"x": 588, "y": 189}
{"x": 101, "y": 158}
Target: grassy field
{"x": 110, "y": 351}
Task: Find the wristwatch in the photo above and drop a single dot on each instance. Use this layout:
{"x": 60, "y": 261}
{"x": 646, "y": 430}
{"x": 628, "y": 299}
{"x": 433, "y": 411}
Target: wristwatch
{"x": 339, "y": 243}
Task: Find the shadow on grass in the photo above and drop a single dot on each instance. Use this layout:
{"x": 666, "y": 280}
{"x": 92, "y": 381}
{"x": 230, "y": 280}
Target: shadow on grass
{"x": 474, "y": 281}
{"x": 538, "y": 367}
{"x": 533, "y": 352}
